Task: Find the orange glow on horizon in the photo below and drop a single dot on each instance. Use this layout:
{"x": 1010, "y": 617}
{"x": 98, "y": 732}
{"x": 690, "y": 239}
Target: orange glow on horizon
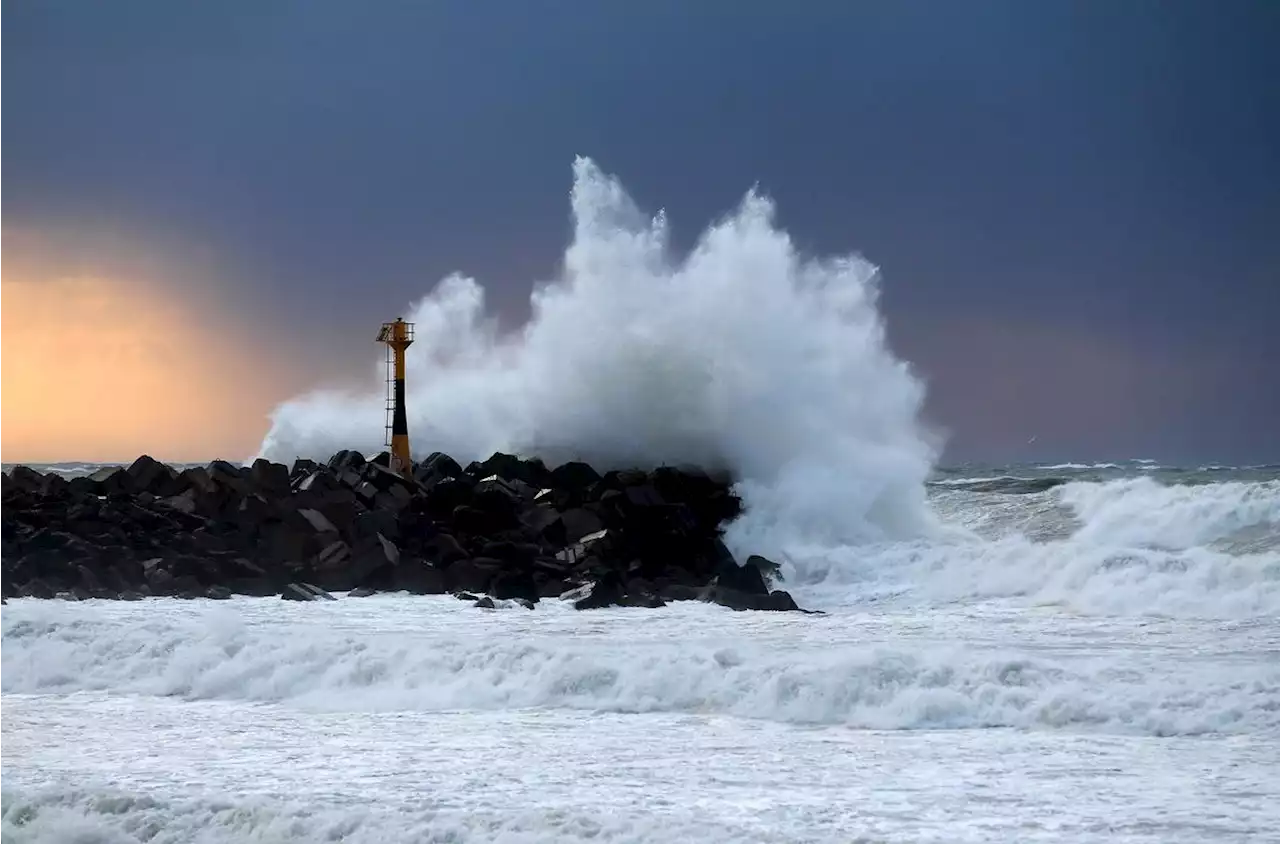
{"x": 102, "y": 369}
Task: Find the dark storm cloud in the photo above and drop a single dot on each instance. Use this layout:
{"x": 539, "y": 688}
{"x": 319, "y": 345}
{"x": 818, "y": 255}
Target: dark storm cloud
{"x": 1049, "y": 187}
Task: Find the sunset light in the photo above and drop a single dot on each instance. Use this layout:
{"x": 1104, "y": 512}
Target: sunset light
{"x": 105, "y": 369}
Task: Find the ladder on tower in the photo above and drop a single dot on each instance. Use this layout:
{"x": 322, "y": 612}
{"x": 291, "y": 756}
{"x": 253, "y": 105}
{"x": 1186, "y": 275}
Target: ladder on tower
{"x": 389, "y": 416}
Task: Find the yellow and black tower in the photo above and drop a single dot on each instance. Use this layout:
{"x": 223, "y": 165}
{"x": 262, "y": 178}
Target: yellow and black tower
{"x": 398, "y": 336}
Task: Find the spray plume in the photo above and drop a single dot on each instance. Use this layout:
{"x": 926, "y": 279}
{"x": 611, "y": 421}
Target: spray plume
{"x": 742, "y": 356}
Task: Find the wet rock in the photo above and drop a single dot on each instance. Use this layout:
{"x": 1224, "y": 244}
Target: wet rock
{"x": 553, "y": 587}
{"x": 111, "y": 480}
{"x": 184, "y": 502}
{"x": 642, "y": 600}
{"x": 515, "y": 584}
{"x": 270, "y": 478}
{"x": 150, "y": 475}
{"x": 301, "y": 468}
{"x": 436, "y": 468}
{"x": 444, "y": 550}
{"x": 418, "y": 577}
{"x": 473, "y": 575}
{"x": 305, "y": 592}
{"x": 507, "y": 526}
{"x": 777, "y": 601}
{"x": 347, "y": 461}
{"x": 574, "y": 476}
{"x": 511, "y": 468}
{"x": 36, "y": 588}
{"x": 746, "y": 579}
{"x": 317, "y": 521}
{"x": 606, "y": 592}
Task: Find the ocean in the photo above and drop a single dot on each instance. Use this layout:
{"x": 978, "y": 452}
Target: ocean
{"x": 1090, "y": 653}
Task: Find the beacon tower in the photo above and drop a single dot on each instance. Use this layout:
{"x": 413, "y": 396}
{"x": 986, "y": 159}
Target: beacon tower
{"x": 397, "y": 336}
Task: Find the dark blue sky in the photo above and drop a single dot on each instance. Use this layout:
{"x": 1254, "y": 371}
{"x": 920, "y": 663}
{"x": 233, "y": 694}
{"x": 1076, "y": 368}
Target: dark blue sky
{"x": 1076, "y": 206}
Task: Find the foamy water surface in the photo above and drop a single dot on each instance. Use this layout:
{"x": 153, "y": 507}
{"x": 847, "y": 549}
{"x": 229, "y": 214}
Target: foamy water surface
{"x": 397, "y": 716}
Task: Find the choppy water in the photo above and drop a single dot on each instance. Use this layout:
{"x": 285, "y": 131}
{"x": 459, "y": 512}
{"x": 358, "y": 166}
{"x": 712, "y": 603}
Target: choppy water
{"x": 1099, "y": 661}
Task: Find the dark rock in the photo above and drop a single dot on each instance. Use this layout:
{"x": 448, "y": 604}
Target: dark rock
{"x": 507, "y": 525}
{"x": 553, "y": 588}
{"x": 271, "y": 478}
{"x": 446, "y": 496}
{"x": 150, "y": 475}
{"x": 187, "y": 586}
{"x": 747, "y": 579}
{"x": 317, "y": 521}
{"x": 384, "y": 478}
{"x": 682, "y": 592}
{"x": 373, "y": 563}
{"x": 509, "y": 467}
{"x": 362, "y": 592}
{"x": 335, "y": 555}
{"x": 574, "y": 476}
{"x": 394, "y": 499}
{"x": 781, "y": 601}
{"x": 295, "y": 592}
{"x": 436, "y": 468}
{"x": 495, "y": 495}
{"x": 347, "y": 461}
{"x": 367, "y": 493}
{"x": 472, "y": 521}
{"x": 217, "y": 593}
{"x": 520, "y": 554}
{"x": 579, "y": 523}
{"x": 485, "y": 603}
{"x": 252, "y": 510}
{"x": 36, "y": 588}
{"x": 643, "y": 600}
{"x": 545, "y": 522}
{"x": 318, "y": 481}
{"x": 27, "y": 479}
{"x": 735, "y": 600}
{"x": 770, "y": 570}
{"x": 341, "y": 507}
{"x": 260, "y": 587}
{"x": 228, "y": 476}
{"x": 302, "y": 467}
{"x": 472, "y": 575}
{"x": 305, "y": 592}
{"x": 112, "y": 480}
{"x": 161, "y": 581}
{"x": 514, "y": 584}
{"x": 465, "y": 596}
{"x": 417, "y": 577}
{"x": 606, "y": 592}
{"x": 370, "y": 523}
{"x": 184, "y": 502}
{"x": 91, "y": 583}
{"x": 444, "y": 550}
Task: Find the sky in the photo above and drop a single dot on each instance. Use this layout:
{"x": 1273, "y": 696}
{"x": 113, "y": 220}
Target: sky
{"x": 209, "y": 208}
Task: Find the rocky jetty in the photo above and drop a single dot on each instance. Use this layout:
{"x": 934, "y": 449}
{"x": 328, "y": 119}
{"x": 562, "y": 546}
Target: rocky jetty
{"x": 507, "y": 530}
